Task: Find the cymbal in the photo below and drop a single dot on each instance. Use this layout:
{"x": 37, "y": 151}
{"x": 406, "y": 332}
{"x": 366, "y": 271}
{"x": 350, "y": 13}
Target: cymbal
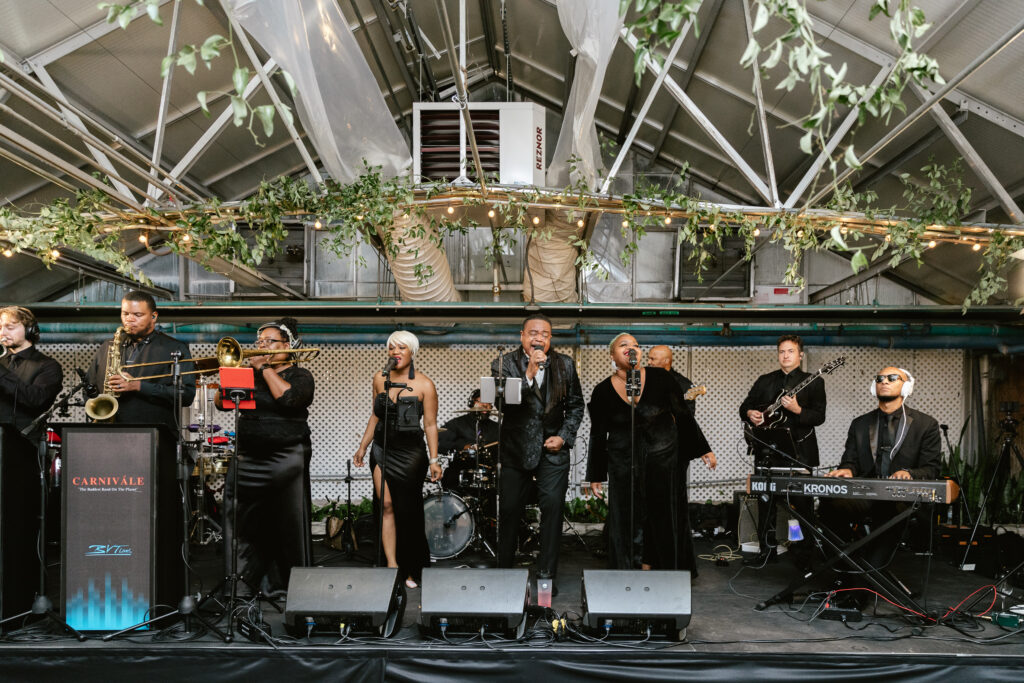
{"x": 477, "y": 410}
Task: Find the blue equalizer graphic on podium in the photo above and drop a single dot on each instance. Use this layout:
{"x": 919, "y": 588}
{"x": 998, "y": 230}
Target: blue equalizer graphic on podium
{"x": 96, "y": 609}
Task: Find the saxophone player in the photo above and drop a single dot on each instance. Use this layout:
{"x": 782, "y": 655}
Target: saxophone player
{"x": 29, "y": 380}
{"x": 147, "y": 401}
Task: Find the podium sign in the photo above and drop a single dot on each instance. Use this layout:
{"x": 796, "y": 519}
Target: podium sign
{"x": 116, "y": 490}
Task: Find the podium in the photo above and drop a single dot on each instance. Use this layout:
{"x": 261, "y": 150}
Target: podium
{"x": 121, "y": 525}
{"x": 19, "y": 521}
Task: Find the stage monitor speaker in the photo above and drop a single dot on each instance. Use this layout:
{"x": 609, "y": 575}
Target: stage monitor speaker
{"x": 331, "y": 599}
{"x": 122, "y": 530}
{"x": 634, "y": 602}
{"x": 19, "y": 522}
{"x": 466, "y": 600}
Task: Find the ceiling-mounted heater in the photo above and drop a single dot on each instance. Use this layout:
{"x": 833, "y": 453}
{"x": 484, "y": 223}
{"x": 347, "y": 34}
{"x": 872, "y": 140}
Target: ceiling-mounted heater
{"x": 509, "y": 136}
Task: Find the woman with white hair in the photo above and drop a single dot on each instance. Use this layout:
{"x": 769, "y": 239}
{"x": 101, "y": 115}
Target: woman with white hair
{"x": 398, "y": 458}
{"x": 665, "y": 439}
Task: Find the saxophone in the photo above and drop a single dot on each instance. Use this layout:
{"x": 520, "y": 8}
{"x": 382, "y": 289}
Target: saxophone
{"x": 103, "y": 407}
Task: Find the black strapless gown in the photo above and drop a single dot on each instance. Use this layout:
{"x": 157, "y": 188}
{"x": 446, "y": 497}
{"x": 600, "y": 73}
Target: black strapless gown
{"x": 405, "y": 469}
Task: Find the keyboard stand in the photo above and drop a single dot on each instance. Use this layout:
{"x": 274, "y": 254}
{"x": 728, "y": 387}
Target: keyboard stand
{"x": 886, "y": 586}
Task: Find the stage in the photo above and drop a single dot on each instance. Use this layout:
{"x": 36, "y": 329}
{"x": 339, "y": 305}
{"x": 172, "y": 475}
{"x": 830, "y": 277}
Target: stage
{"x": 727, "y": 638}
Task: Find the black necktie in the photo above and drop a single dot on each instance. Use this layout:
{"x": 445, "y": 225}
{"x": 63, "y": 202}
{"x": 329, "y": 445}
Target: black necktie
{"x": 886, "y": 435}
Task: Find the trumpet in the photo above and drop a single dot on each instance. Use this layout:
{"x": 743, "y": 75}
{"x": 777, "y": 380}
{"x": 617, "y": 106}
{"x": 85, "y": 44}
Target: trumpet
{"x": 229, "y": 354}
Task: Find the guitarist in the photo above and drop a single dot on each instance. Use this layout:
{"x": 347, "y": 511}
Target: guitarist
{"x": 790, "y": 430}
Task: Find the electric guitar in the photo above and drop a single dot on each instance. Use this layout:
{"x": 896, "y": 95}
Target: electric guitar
{"x": 774, "y": 414}
{"x": 694, "y": 392}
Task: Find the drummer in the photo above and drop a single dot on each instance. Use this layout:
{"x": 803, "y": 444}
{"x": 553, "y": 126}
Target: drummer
{"x": 473, "y": 430}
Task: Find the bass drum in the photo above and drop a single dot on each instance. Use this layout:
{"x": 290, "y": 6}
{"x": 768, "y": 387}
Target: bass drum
{"x": 449, "y": 524}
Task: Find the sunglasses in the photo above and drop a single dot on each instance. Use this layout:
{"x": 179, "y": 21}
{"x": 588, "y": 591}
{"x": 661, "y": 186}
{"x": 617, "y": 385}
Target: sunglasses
{"x": 892, "y": 378}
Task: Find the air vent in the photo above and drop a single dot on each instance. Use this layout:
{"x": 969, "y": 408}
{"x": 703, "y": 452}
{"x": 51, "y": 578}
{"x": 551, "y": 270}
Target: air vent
{"x": 509, "y": 137}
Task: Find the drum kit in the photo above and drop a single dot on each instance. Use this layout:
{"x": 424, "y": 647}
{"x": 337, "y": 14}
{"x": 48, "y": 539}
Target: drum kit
{"x": 462, "y": 513}
{"x": 212, "y": 454}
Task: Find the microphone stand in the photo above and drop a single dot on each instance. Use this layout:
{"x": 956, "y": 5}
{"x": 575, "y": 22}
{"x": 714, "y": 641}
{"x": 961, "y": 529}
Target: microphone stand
{"x": 499, "y": 403}
{"x": 633, "y": 394}
{"x": 958, "y": 478}
{"x": 765, "y": 524}
{"x": 388, "y": 385}
{"x": 42, "y": 605}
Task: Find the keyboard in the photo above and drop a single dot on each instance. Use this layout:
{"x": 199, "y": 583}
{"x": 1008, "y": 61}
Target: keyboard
{"x": 940, "y": 491}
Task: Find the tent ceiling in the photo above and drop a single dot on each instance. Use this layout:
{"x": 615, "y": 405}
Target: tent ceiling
{"x": 113, "y": 74}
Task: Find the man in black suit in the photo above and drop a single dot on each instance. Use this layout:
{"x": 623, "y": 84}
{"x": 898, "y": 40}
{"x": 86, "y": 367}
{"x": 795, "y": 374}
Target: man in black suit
{"x": 791, "y": 431}
{"x": 536, "y": 437}
{"x": 661, "y": 357}
{"x": 890, "y": 442}
{"x": 29, "y": 380}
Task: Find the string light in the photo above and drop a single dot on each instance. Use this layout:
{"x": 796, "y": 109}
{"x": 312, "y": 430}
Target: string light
{"x": 757, "y": 232}
{"x": 186, "y": 238}
{"x": 318, "y": 224}
{"x": 625, "y": 224}
{"x": 143, "y": 238}
{"x": 843, "y": 230}
{"x": 931, "y": 244}
{"x": 799, "y": 233}
{"x": 888, "y": 238}
{"x": 977, "y": 246}
{"x": 668, "y": 220}
{"x": 536, "y": 220}
{"x": 8, "y": 252}
{"x": 490, "y": 214}
{"x": 579, "y": 223}
{"x": 451, "y": 210}
{"x": 54, "y": 254}
{"x": 359, "y": 217}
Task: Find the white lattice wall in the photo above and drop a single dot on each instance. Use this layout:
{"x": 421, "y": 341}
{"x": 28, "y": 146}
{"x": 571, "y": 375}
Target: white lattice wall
{"x": 342, "y": 404}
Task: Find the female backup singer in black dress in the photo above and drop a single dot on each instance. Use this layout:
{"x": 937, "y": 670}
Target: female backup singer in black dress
{"x": 273, "y": 455}
{"x": 405, "y": 459}
{"x": 666, "y": 439}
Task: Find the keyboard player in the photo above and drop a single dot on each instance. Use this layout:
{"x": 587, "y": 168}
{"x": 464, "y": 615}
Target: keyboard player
{"x": 892, "y": 441}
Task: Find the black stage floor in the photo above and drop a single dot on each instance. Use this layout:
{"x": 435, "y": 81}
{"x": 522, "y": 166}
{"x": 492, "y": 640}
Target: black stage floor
{"x": 727, "y": 637}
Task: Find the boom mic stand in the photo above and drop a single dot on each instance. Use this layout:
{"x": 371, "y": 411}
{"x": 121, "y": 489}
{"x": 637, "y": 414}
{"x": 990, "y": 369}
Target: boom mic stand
{"x": 187, "y": 606}
{"x": 42, "y": 605}
{"x": 633, "y": 386}
{"x": 958, "y": 478}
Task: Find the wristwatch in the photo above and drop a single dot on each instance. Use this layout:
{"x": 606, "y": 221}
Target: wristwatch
{"x": 432, "y": 461}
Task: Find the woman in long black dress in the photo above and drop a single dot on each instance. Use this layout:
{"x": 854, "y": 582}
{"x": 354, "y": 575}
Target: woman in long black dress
{"x": 405, "y": 460}
{"x": 274, "y": 450}
{"x": 666, "y": 439}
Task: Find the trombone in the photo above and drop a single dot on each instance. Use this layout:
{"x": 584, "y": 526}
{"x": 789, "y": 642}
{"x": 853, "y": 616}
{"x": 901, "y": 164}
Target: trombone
{"x": 229, "y": 354}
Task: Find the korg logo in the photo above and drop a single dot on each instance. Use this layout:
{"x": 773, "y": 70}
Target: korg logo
{"x": 99, "y": 550}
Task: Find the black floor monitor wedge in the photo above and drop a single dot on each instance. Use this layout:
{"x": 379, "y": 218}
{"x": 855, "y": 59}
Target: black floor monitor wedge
{"x": 468, "y": 600}
{"x": 636, "y": 603}
{"x": 344, "y": 599}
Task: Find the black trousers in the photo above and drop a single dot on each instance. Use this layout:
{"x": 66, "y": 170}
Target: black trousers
{"x": 273, "y": 514}
{"x": 550, "y": 481}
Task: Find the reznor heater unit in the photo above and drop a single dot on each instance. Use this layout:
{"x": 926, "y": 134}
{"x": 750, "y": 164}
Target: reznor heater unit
{"x": 509, "y": 136}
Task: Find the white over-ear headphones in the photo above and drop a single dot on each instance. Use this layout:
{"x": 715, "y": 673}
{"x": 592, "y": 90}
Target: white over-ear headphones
{"x": 906, "y": 390}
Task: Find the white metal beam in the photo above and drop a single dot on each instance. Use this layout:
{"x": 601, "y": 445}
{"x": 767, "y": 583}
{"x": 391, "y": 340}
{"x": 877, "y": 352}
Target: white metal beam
{"x": 165, "y": 97}
{"x": 101, "y": 159}
{"x": 762, "y": 122}
{"x": 282, "y": 111}
{"x": 641, "y": 115}
{"x": 704, "y": 122}
{"x": 973, "y": 159}
{"x": 81, "y": 38}
{"x": 215, "y": 129}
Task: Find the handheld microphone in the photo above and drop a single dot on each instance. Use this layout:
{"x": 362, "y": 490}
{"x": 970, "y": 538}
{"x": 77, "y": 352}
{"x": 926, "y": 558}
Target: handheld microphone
{"x": 544, "y": 363}
{"x": 90, "y": 389}
{"x": 389, "y": 366}
{"x": 632, "y": 358}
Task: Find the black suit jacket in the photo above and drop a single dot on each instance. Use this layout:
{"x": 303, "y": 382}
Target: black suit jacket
{"x": 557, "y": 411}
{"x": 918, "y": 449}
{"x": 812, "y": 403}
{"x": 154, "y": 402}
{"x": 29, "y": 383}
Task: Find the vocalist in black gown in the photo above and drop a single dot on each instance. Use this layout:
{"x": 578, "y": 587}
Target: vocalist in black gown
{"x": 399, "y": 451}
{"x": 666, "y": 438}
{"x": 274, "y": 450}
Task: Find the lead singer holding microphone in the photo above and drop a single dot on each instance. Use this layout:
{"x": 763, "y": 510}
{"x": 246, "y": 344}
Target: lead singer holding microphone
{"x": 398, "y": 492}
{"x": 536, "y": 437}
